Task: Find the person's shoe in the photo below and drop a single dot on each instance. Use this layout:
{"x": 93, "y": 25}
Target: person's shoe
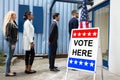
{"x": 33, "y": 71}
{"x": 27, "y": 72}
{"x": 52, "y": 70}
{"x": 10, "y": 75}
{"x": 14, "y": 73}
{"x": 55, "y": 70}
{"x": 55, "y": 67}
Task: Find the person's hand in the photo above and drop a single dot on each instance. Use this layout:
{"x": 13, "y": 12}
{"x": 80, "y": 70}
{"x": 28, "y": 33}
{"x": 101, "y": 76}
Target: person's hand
{"x": 32, "y": 45}
{"x": 12, "y": 46}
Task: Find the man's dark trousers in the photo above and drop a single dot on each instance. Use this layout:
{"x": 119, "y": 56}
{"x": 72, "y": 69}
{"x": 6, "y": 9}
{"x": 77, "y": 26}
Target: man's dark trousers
{"x": 52, "y": 54}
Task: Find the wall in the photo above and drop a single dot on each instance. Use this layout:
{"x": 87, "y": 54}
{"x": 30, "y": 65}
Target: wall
{"x": 41, "y": 40}
{"x": 114, "y": 48}
{"x": 114, "y": 40}
{"x": 96, "y": 2}
{"x": 65, "y": 15}
{"x": 101, "y": 21}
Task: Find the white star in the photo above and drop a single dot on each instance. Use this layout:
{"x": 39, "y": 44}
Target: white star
{"x": 86, "y": 63}
{"x": 71, "y": 61}
{"x": 79, "y": 34}
{"x": 89, "y": 34}
{"x": 75, "y": 62}
{"x": 74, "y": 34}
{"x": 94, "y": 34}
{"x": 91, "y": 64}
{"x": 84, "y": 34}
{"x": 80, "y": 62}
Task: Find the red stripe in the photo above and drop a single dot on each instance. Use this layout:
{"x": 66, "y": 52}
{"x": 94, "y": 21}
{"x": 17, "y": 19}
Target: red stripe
{"x": 81, "y": 25}
{"x": 85, "y": 31}
{"x": 87, "y": 24}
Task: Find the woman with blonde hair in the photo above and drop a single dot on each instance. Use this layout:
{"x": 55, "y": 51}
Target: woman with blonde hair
{"x": 10, "y": 30}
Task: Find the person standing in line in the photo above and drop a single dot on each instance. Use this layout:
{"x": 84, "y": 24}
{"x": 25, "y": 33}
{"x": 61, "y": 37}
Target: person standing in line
{"x": 73, "y": 23}
{"x": 28, "y": 42}
{"x": 10, "y": 30}
{"x": 53, "y": 43}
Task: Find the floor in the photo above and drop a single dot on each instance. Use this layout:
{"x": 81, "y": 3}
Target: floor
{"x": 43, "y": 73}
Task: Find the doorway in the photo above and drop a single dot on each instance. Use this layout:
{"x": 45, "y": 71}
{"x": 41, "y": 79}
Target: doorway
{"x": 101, "y": 20}
{"x": 99, "y": 17}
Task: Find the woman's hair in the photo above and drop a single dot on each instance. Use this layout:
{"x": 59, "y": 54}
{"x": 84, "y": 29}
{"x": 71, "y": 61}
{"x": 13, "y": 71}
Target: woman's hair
{"x": 26, "y": 15}
{"x": 7, "y": 19}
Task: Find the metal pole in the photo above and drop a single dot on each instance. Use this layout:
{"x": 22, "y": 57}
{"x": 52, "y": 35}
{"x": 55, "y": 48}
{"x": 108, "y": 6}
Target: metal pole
{"x": 99, "y": 46}
{"x": 66, "y": 74}
{"x": 101, "y": 58}
{"x": 94, "y": 78}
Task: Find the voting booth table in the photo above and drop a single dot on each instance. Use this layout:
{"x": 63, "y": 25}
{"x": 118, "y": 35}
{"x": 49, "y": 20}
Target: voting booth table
{"x": 83, "y": 50}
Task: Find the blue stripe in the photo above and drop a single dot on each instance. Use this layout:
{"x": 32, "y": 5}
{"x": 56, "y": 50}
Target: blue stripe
{"x": 83, "y": 66}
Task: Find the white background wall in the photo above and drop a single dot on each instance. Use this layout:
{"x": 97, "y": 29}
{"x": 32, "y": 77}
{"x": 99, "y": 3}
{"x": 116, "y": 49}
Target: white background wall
{"x": 114, "y": 48}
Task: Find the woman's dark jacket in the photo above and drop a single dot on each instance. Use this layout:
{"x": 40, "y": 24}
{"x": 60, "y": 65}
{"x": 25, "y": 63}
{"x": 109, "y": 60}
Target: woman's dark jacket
{"x": 11, "y": 32}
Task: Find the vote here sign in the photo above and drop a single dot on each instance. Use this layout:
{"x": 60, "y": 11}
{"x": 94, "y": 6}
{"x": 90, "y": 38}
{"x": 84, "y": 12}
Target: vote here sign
{"x": 83, "y": 49}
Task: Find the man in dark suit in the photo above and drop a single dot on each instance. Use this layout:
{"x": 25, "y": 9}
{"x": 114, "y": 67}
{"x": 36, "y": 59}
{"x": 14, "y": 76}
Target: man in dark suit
{"x": 73, "y": 23}
{"x": 53, "y": 42}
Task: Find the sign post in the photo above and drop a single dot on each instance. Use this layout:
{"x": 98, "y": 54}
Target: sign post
{"x": 83, "y": 50}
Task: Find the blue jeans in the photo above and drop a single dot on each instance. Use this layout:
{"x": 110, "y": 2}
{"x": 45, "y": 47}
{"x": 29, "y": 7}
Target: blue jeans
{"x": 9, "y": 58}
